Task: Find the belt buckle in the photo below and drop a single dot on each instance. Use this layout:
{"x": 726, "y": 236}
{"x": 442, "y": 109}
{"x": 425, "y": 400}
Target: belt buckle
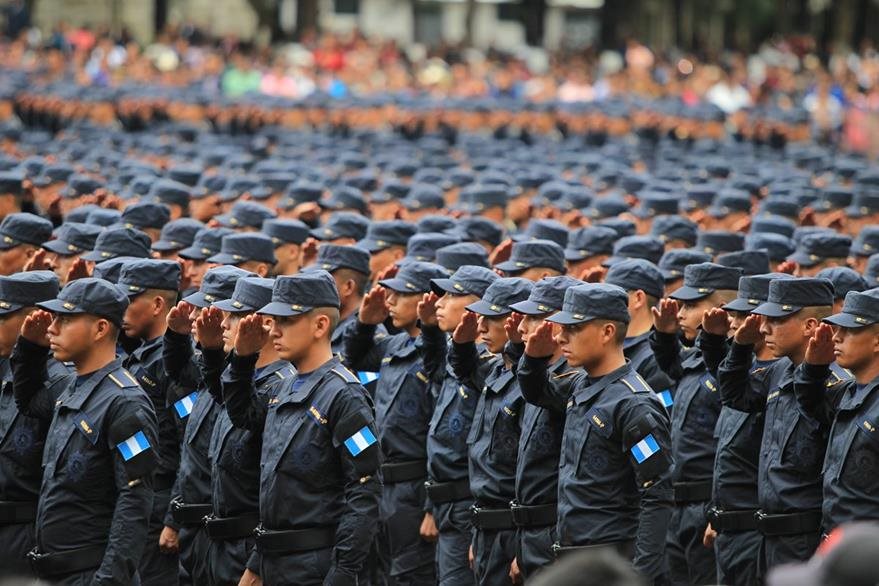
{"x": 514, "y": 504}
{"x": 208, "y": 518}
{"x": 176, "y": 504}
{"x": 713, "y": 514}
{"x": 34, "y": 555}
{"x": 556, "y": 547}
{"x": 760, "y": 516}
{"x": 259, "y": 531}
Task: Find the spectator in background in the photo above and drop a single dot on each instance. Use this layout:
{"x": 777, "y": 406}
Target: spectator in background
{"x": 241, "y": 78}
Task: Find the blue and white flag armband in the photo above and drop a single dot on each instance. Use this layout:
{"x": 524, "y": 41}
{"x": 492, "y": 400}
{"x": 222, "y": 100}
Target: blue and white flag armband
{"x": 184, "y": 406}
{"x": 131, "y": 438}
{"x": 356, "y": 439}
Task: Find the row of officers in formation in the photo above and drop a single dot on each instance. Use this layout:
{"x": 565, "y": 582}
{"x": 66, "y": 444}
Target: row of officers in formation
{"x": 374, "y": 420}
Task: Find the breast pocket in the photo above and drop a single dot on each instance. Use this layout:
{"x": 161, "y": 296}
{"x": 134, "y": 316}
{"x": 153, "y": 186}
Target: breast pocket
{"x": 505, "y": 431}
{"x": 701, "y": 410}
{"x": 309, "y": 454}
{"x": 861, "y": 460}
{"x": 803, "y": 447}
{"x": 595, "y": 450}
{"x": 478, "y": 420}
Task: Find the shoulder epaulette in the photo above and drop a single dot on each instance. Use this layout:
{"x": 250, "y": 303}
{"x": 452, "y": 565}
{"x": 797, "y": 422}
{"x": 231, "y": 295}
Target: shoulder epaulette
{"x": 345, "y": 374}
{"x": 565, "y": 374}
{"x": 122, "y": 378}
{"x": 636, "y": 384}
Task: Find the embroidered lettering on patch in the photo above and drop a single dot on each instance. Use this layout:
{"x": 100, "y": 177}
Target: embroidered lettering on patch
{"x": 869, "y": 426}
{"x": 316, "y": 415}
{"x": 509, "y": 411}
{"x": 420, "y": 375}
{"x": 771, "y": 396}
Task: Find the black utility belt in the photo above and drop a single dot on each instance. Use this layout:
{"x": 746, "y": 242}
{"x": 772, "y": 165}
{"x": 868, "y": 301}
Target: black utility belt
{"x": 55, "y": 565}
{"x": 17, "y": 512}
{"x": 403, "y": 471}
{"x": 447, "y": 492}
{"x": 231, "y": 528}
{"x": 187, "y": 515}
{"x": 534, "y": 515}
{"x": 487, "y": 519}
{"x": 294, "y": 540}
{"x": 788, "y": 523}
{"x": 732, "y": 521}
{"x": 692, "y": 492}
{"x": 624, "y": 548}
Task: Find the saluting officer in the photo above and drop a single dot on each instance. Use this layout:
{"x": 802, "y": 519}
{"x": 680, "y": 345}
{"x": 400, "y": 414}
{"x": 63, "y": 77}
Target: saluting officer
{"x": 319, "y": 488}
{"x": 100, "y": 454}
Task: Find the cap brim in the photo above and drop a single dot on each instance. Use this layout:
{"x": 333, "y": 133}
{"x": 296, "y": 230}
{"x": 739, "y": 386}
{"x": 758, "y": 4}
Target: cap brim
{"x": 232, "y": 306}
{"x": 192, "y": 253}
{"x": 687, "y": 293}
{"x": 165, "y": 245}
{"x": 400, "y": 286}
{"x": 98, "y": 256}
{"x": 487, "y": 309}
{"x": 612, "y": 260}
{"x": 443, "y": 286}
{"x": 130, "y": 290}
{"x": 670, "y": 275}
{"x": 371, "y": 246}
{"x": 566, "y": 318}
{"x": 577, "y": 255}
{"x": 321, "y": 234}
{"x": 10, "y": 308}
{"x": 198, "y": 299}
{"x": 529, "y": 307}
{"x": 770, "y": 309}
{"x": 224, "y": 258}
{"x": 7, "y": 245}
{"x": 58, "y": 306}
{"x": 740, "y": 304}
{"x": 511, "y": 266}
{"x": 279, "y": 309}
{"x": 847, "y": 320}
{"x": 60, "y": 247}
{"x": 854, "y": 212}
{"x": 717, "y": 212}
{"x": 803, "y": 259}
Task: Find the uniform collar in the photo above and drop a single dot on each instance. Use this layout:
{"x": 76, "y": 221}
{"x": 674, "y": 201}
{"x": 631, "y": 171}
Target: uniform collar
{"x": 145, "y": 347}
{"x": 635, "y": 340}
{"x": 282, "y": 369}
{"x": 81, "y": 392}
{"x": 314, "y": 377}
{"x": 583, "y": 394}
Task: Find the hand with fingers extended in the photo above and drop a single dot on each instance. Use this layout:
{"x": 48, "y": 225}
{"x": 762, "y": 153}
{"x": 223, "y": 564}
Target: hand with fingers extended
{"x": 252, "y": 335}
{"x": 39, "y": 262}
{"x": 179, "y": 319}
{"x": 593, "y": 275}
{"x": 79, "y": 269}
{"x": 541, "y": 343}
{"x": 748, "y": 333}
{"x": 373, "y": 309}
{"x": 185, "y": 276}
{"x": 716, "y": 321}
{"x": 209, "y": 328}
{"x": 820, "y": 347}
{"x": 501, "y": 252}
{"x": 468, "y": 329}
{"x": 511, "y": 327}
{"x": 427, "y": 309}
{"x": 665, "y": 316}
{"x": 788, "y": 267}
{"x": 389, "y": 272}
{"x": 36, "y": 327}
{"x": 308, "y": 252}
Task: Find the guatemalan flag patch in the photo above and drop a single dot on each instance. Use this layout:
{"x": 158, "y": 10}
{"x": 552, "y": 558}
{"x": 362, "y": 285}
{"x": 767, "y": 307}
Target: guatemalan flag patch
{"x": 360, "y": 441}
{"x": 133, "y": 446}
{"x": 645, "y": 448}
{"x": 367, "y": 377}
{"x": 666, "y": 398}
{"x": 184, "y": 405}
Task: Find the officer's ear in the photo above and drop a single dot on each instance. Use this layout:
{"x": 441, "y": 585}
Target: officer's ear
{"x": 103, "y": 330}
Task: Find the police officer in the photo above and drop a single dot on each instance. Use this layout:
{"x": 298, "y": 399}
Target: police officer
{"x": 448, "y": 485}
{"x": 615, "y": 464}
{"x": 175, "y": 236}
{"x": 151, "y": 286}
{"x": 21, "y": 236}
{"x": 318, "y": 486}
{"x": 21, "y": 437}
{"x": 247, "y": 251}
{"x": 288, "y": 237}
{"x": 793, "y": 445}
{"x": 695, "y": 409}
{"x": 234, "y": 451}
{"x": 849, "y": 407}
{"x": 535, "y": 506}
{"x": 199, "y": 368}
{"x": 116, "y": 242}
{"x": 534, "y": 259}
{"x": 403, "y": 407}
{"x": 494, "y": 436}
{"x": 72, "y": 240}
{"x": 99, "y": 457}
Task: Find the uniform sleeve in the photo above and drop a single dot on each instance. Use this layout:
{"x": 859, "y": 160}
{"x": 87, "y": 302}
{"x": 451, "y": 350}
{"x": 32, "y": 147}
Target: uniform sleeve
{"x": 738, "y": 389}
{"x": 647, "y": 441}
{"x": 433, "y": 352}
{"x": 654, "y": 376}
{"x": 667, "y": 350}
{"x": 212, "y": 363}
{"x": 352, "y": 416}
{"x": 714, "y": 349}
{"x": 513, "y": 353}
{"x": 540, "y": 388}
{"x": 362, "y": 351}
{"x": 245, "y": 408}
{"x": 179, "y": 360}
{"x": 464, "y": 360}
{"x": 816, "y": 400}
{"x": 30, "y": 380}
{"x": 130, "y": 421}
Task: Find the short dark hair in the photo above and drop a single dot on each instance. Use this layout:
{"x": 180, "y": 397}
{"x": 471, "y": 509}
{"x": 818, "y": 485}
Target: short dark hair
{"x": 360, "y": 280}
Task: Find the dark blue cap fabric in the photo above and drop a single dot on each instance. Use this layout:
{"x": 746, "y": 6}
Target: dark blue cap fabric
{"x": 414, "y": 277}
{"x": 477, "y": 198}
{"x": 207, "y": 243}
{"x": 331, "y": 257}
{"x": 467, "y": 280}
{"x": 250, "y": 294}
{"x": 593, "y": 301}
{"x": 104, "y": 217}
{"x": 834, "y": 197}
{"x": 146, "y": 214}
{"x": 423, "y": 247}
{"x": 11, "y": 182}
{"x": 727, "y": 203}
{"x": 752, "y": 262}
{"x": 500, "y": 295}
{"x": 170, "y": 192}
{"x": 422, "y": 196}
{"x": 541, "y": 229}
{"x": 78, "y": 185}
{"x": 114, "y": 242}
{"x": 345, "y": 198}
{"x": 637, "y": 274}
{"x": 246, "y": 214}
{"x": 703, "y": 279}
{"x": 646, "y": 247}
{"x": 668, "y": 228}
{"x": 382, "y": 235}
{"x": 547, "y": 295}
{"x": 217, "y": 284}
{"x": 864, "y": 204}
{"x": 753, "y": 291}
{"x": 92, "y": 296}
{"x": 608, "y": 206}
{"x": 816, "y": 248}
{"x": 788, "y": 296}
{"x": 111, "y": 269}
{"x": 534, "y": 253}
{"x": 26, "y": 289}
{"x": 871, "y": 273}
{"x": 73, "y": 238}
{"x": 866, "y": 243}
{"x": 773, "y": 225}
{"x": 674, "y": 261}
{"x": 718, "y": 241}
{"x": 621, "y": 226}
{"x": 139, "y": 275}
{"x": 178, "y": 234}
{"x": 476, "y": 229}
{"x": 342, "y": 225}
{"x": 284, "y": 231}
{"x": 434, "y": 223}
{"x": 859, "y": 310}
{"x": 453, "y": 256}
{"x": 844, "y": 280}
{"x": 590, "y": 241}
{"x": 778, "y": 247}
{"x": 803, "y": 231}
{"x": 301, "y": 293}
{"x": 699, "y": 197}
{"x": 303, "y": 191}
{"x": 24, "y": 228}
{"x": 786, "y": 207}
{"x": 239, "y": 248}
{"x": 188, "y": 175}
{"x": 53, "y": 173}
